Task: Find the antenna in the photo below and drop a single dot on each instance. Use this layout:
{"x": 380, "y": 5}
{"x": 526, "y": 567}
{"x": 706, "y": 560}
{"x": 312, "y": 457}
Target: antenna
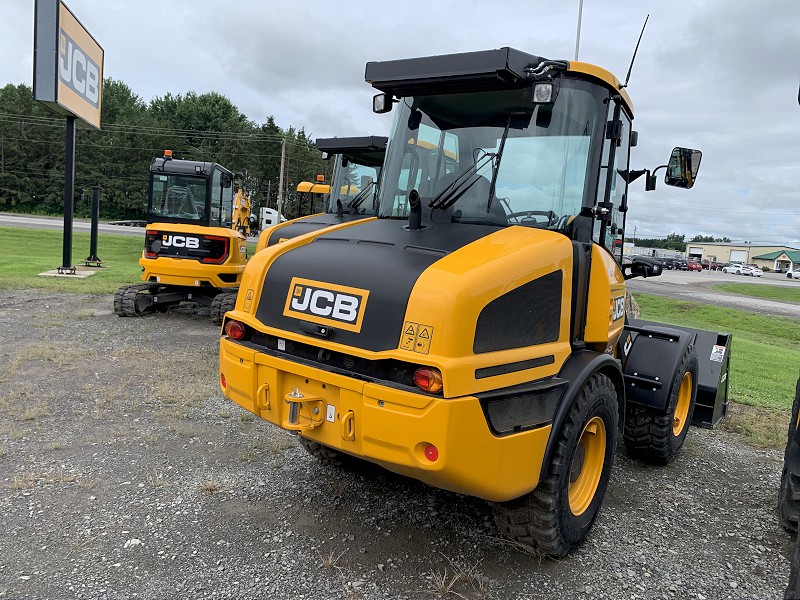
{"x": 578, "y": 34}
{"x": 633, "y": 58}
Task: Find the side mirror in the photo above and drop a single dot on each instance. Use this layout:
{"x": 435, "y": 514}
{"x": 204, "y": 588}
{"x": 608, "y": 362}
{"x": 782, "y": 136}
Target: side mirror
{"x": 642, "y": 266}
{"x": 227, "y": 180}
{"x": 682, "y": 168}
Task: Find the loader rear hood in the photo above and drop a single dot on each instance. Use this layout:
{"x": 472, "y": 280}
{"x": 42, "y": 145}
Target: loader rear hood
{"x": 305, "y": 225}
{"x": 354, "y": 284}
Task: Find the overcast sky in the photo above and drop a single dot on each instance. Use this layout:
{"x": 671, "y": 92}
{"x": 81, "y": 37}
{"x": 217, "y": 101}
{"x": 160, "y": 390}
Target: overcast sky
{"x": 718, "y": 75}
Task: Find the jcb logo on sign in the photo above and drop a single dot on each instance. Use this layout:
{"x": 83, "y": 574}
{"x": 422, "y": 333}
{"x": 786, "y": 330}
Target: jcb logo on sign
{"x": 179, "y": 241}
{"x": 326, "y": 303}
{"x": 619, "y": 308}
{"x": 77, "y": 70}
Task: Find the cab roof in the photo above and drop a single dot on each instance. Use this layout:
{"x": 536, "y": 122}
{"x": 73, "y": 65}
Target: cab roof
{"x": 366, "y": 150}
{"x": 485, "y": 70}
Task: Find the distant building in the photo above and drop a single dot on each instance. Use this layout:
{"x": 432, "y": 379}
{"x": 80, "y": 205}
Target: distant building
{"x": 772, "y": 256}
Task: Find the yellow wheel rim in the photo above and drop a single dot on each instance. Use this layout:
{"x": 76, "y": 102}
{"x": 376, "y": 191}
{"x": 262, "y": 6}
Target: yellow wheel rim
{"x": 682, "y": 407}
{"x": 587, "y": 466}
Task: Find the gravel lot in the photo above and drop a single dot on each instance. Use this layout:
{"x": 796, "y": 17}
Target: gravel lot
{"x": 125, "y": 473}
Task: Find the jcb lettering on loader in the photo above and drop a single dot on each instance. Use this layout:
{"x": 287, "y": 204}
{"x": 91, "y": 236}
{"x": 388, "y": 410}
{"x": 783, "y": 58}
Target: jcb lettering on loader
{"x": 311, "y": 298}
{"x": 502, "y": 200}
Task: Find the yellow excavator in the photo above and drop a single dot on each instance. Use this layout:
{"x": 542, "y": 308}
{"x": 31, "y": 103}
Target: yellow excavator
{"x": 195, "y": 244}
{"x": 473, "y": 335}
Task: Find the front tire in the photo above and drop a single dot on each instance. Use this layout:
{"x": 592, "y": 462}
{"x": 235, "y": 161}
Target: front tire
{"x": 654, "y": 436}
{"x": 558, "y": 514}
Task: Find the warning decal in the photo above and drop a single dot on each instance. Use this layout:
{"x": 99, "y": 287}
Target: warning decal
{"x": 416, "y": 337}
{"x": 717, "y": 353}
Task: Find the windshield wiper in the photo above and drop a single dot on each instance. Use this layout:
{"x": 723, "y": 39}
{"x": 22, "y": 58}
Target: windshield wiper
{"x": 497, "y": 157}
{"x": 449, "y": 195}
{"x": 360, "y": 197}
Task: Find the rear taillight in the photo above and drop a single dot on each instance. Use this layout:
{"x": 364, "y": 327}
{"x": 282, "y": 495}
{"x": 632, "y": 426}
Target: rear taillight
{"x": 218, "y": 248}
{"x": 222, "y": 381}
{"x": 234, "y": 330}
{"x": 428, "y": 380}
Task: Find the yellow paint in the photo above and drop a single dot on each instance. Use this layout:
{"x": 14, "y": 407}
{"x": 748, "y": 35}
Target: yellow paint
{"x": 391, "y": 427}
{"x": 587, "y": 466}
{"x": 607, "y": 284}
{"x": 680, "y": 420}
{"x": 604, "y": 76}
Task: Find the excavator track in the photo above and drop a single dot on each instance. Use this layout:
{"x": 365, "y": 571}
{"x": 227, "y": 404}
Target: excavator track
{"x": 134, "y": 300}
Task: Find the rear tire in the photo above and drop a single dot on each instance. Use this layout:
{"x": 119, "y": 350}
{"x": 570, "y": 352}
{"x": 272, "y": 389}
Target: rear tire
{"x": 558, "y": 514}
{"x": 654, "y": 436}
{"x": 222, "y": 303}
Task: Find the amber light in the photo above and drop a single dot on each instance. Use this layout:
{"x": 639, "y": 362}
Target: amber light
{"x": 234, "y": 330}
{"x": 431, "y": 453}
{"x": 167, "y": 153}
{"x": 428, "y": 380}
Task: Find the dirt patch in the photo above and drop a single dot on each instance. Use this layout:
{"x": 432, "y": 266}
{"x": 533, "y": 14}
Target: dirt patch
{"x": 125, "y": 473}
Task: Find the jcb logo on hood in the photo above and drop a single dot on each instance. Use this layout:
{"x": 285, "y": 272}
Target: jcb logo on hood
{"x": 326, "y": 303}
{"x": 179, "y": 241}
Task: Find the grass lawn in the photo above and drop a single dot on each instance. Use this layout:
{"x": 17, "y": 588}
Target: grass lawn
{"x": 24, "y": 253}
{"x": 770, "y": 292}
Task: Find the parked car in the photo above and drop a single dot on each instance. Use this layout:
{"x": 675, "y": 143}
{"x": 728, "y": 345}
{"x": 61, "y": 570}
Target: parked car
{"x": 793, "y": 274}
{"x": 681, "y": 265}
{"x": 735, "y": 269}
{"x": 751, "y": 270}
{"x": 693, "y": 265}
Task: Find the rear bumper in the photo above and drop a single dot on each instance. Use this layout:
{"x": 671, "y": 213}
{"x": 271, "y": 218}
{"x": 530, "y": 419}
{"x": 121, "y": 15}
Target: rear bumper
{"x": 387, "y": 426}
{"x": 190, "y": 273}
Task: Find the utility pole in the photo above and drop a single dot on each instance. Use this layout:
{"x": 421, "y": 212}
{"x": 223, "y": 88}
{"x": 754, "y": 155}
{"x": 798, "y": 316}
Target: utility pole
{"x": 280, "y": 181}
{"x": 578, "y": 35}
{"x": 269, "y": 192}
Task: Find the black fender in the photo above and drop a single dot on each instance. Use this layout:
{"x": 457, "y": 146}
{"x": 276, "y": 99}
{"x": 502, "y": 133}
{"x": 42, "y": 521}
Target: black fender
{"x": 651, "y": 356}
{"x": 577, "y": 370}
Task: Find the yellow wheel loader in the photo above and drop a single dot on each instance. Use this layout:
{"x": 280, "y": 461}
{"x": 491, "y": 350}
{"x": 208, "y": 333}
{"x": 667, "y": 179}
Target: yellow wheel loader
{"x": 195, "y": 244}
{"x": 351, "y": 194}
{"x": 473, "y": 334}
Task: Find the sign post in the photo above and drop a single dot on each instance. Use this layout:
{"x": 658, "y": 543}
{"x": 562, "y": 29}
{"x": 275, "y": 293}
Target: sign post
{"x": 68, "y": 78}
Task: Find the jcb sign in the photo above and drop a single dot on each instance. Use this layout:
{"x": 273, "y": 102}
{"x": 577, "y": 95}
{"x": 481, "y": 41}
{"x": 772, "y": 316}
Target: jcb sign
{"x": 77, "y": 70}
{"x": 326, "y": 303}
{"x": 68, "y": 63}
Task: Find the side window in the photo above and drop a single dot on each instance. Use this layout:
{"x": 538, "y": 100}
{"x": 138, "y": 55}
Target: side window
{"x": 216, "y": 196}
{"x": 619, "y": 187}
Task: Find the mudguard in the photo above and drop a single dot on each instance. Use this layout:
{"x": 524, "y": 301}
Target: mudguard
{"x": 651, "y": 354}
{"x": 713, "y": 364}
{"x": 577, "y": 369}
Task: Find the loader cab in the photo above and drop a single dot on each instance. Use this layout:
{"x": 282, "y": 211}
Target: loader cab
{"x": 357, "y": 163}
{"x": 529, "y": 142}
{"x": 190, "y": 192}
